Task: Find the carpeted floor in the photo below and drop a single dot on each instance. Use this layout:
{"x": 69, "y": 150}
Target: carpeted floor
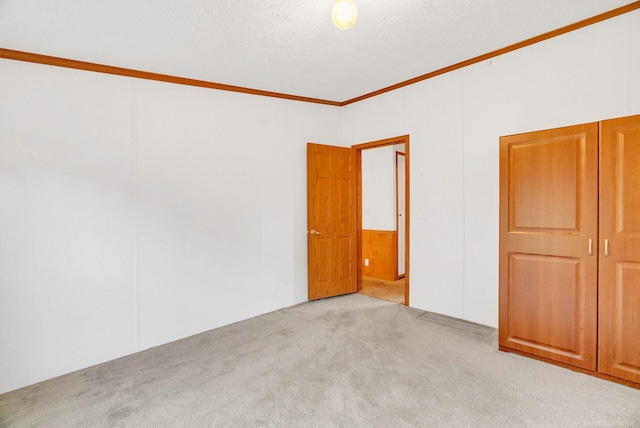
{"x": 391, "y": 291}
{"x": 349, "y": 361}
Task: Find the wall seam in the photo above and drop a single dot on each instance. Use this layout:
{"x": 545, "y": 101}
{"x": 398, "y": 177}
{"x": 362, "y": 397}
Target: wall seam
{"x": 464, "y": 197}
{"x": 135, "y": 196}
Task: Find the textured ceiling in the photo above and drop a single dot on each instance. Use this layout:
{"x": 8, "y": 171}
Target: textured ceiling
{"x": 287, "y": 46}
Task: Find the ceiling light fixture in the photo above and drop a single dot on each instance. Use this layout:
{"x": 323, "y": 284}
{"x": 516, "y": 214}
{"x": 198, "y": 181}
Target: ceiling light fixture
{"x": 344, "y": 14}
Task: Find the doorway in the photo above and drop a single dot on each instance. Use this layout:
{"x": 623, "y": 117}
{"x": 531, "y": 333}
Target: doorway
{"x": 396, "y": 246}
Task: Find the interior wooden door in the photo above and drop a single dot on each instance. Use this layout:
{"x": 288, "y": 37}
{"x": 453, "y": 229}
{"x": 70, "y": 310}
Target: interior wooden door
{"x": 331, "y": 200}
{"x": 548, "y": 240}
{"x": 619, "y": 283}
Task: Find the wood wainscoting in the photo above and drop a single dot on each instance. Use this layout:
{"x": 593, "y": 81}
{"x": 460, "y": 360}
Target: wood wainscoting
{"x": 381, "y": 248}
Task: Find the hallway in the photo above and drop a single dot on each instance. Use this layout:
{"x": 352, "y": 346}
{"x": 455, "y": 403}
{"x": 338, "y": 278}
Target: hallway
{"x": 391, "y": 291}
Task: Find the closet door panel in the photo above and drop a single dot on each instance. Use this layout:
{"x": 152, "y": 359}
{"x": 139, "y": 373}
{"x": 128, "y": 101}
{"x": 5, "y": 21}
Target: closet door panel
{"x": 619, "y": 282}
{"x": 548, "y": 225}
{"x": 548, "y": 290}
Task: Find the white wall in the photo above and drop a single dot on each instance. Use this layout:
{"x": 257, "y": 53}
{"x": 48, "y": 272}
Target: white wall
{"x": 67, "y": 222}
{"x": 634, "y": 63}
{"x": 222, "y": 205}
{"x": 378, "y": 189}
{"x": 455, "y": 121}
{"x": 133, "y": 213}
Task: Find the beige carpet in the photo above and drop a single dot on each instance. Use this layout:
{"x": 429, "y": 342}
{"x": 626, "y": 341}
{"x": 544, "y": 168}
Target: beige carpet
{"x": 349, "y": 361}
{"x": 391, "y": 291}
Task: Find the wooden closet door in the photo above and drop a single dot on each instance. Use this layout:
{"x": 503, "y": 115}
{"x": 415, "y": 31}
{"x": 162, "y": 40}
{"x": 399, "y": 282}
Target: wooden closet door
{"x": 619, "y": 282}
{"x": 548, "y": 234}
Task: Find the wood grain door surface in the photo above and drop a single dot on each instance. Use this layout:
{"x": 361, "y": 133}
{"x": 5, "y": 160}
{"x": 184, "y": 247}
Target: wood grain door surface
{"x": 619, "y": 282}
{"x": 548, "y": 244}
{"x": 331, "y": 199}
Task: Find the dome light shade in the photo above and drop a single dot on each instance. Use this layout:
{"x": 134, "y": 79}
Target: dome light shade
{"x": 344, "y": 14}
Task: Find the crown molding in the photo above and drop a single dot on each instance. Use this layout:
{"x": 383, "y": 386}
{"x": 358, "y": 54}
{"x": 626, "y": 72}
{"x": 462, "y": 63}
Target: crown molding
{"x": 537, "y": 39}
{"x": 119, "y": 71}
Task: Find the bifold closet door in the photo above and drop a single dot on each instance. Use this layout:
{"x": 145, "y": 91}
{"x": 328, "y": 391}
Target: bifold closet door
{"x": 548, "y": 244}
{"x": 619, "y": 282}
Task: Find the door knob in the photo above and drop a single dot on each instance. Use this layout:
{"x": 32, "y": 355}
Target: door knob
{"x": 314, "y": 232}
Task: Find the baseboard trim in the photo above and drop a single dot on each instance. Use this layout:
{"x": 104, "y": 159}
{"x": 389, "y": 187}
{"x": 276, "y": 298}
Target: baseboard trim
{"x": 572, "y": 368}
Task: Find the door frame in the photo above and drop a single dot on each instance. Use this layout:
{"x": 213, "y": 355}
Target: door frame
{"x": 398, "y": 155}
{"x": 403, "y": 139}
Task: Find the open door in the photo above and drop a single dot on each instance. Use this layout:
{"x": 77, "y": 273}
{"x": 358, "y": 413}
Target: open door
{"x": 331, "y": 221}
{"x": 404, "y": 206}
